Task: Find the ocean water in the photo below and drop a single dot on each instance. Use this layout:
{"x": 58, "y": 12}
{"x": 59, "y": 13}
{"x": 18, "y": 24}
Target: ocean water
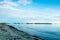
{"x": 44, "y": 31}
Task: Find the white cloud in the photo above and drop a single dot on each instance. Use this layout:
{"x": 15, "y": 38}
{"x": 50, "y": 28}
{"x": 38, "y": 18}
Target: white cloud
{"x": 8, "y": 3}
{"x": 52, "y": 15}
{"x": 28, "y": 15}
{"x": 53, "y": 11}
{"x": 25, "y": 2}
{"x": 16, "y": 4}
{"x": 12, "y": 13}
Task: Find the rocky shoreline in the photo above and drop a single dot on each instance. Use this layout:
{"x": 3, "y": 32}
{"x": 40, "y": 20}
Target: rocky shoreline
{"x": 8, "y": 32}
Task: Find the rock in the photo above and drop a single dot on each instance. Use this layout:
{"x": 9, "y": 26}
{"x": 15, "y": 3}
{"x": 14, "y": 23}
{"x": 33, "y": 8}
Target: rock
{"x": 8, "y": 32}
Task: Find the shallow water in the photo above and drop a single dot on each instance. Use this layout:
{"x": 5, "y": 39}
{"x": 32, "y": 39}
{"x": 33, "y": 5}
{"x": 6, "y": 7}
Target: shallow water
{"x": 46, "y": 32}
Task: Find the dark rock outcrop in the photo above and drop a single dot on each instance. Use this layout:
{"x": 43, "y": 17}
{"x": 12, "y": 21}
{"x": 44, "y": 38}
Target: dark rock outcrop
{"x": 8, "y": 32}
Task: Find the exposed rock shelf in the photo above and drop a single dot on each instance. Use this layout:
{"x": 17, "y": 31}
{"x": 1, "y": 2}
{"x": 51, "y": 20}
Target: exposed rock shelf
{"x": 8, "y": 32}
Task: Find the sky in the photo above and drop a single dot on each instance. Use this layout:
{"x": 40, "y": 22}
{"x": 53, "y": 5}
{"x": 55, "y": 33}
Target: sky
{"x": 30, "y": 11}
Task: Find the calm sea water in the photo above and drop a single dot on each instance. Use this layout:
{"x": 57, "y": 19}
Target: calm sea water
{"x": 44, "y": 31}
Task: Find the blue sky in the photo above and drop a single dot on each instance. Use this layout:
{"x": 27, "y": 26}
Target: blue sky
{"x": 30, "y": 11}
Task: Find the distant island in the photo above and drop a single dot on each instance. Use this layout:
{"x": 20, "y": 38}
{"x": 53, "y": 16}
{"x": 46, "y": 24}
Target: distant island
{"x": 27, "y": 23}
{"x": 38, "y": 23}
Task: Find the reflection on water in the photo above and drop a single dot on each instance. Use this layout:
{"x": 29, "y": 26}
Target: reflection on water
{"x": 47, "y": 32}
